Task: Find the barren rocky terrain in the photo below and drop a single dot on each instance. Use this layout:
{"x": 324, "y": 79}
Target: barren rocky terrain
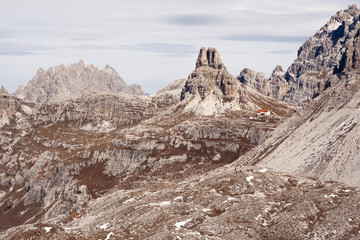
{"x": 194, "y": 160}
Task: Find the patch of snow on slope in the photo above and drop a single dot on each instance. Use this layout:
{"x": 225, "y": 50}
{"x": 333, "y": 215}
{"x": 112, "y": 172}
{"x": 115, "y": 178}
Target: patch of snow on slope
{"x": 249, "y": 178}
{"x": 104, "y": 226}
{"x": 181, "y": 224}
{"x": 333, "y": 26}
{"x": 109, "y": 235}
{"x": 102, "y": 127}
{"x": 331, "y": 195}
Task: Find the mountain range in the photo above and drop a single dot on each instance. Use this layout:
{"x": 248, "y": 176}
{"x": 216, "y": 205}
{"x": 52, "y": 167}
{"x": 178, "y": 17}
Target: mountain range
{"x": 85, "y": 156}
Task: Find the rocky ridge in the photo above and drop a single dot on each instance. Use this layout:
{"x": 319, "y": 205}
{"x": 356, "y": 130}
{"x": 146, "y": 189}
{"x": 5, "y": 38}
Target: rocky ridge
{"x": 61, "y": 83}
{"x": 318, "y": 59}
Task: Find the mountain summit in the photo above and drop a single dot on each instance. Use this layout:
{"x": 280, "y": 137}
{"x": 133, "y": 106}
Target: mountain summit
{"x": 210, "y": 89}
{"x": 209, "y": 57}
{"x": 61, "y": 83}
{"x": 331, "y": 50}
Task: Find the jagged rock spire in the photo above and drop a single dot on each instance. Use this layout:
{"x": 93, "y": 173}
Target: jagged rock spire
{"x": 209, "y": 57}
{"x": 3, "y": 91}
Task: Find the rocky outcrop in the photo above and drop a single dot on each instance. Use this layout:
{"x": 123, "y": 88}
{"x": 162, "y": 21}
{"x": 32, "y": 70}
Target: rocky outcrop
{"x": 321, "y": 56}
{"x": 3, "y": 92}
{"x": 210, "y": 89}
{"x": 331, "y": 50}
{"x": 275, "y": 87}
{"x": 209, "y": 76}
{"x": 254, "y": 80}
{"x": 209, "y": 57}
{"x": 62, "y": 83}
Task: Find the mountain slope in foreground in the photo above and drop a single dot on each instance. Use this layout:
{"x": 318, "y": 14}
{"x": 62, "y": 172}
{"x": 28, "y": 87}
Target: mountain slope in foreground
{"x": 254, "y": 203}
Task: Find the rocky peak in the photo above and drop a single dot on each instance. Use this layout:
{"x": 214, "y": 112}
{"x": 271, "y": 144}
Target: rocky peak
{"x": 62, "y": 83}
{"x": 256, "y": 80}
{"x": 210, "y": 76}
{"x": 3, "y": 91}
{"x": 209, "y": 57}
{"x": 278, "y": 70}
{"x": 331, "y": 50}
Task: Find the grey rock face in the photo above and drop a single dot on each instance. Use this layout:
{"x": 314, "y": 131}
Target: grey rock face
{"x": 322, "y": 55}
{"x": 331, "y": 50}
{"x": 212, "y": 91}
{"x": 255, "y": 80}
{"x": 276, "y": 86}
{"x": 62, "y": 83}
{"x": 210, "y": 76}
{"x": 209, "y": 57}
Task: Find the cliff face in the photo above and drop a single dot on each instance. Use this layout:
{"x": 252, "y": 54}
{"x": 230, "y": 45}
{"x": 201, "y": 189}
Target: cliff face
{"x": 210, "y": 89}
{"x": 62, "y": 83}
{"x": 318, "y": 59}
{"x": 321, "y": 141}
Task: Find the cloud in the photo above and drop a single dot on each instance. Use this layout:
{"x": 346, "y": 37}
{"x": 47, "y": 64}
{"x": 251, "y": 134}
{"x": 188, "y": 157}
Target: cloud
{"x": 16, "y": 53}
{"x": 286, "y": 51}
{"x": 19, "y": 49}
{"x": 193, "y": 19}
{"x": 266, "y": 38}
{"x": 165, "y": 48}
{"x": 94, "y": 47}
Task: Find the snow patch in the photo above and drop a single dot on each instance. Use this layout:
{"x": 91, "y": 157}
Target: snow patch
{"x": 206, "y": 210}
{"x": 333, "y": 26}
{"x": 249, "y": 178}
{"x": 331, "y": 195}
{"x": 179, "y": 198}
{"x": 165, "y": 203}
{"x": 104, "y": 226}
{"x": 181, "y": 224}
{"x": 109, "y": 235}
{"x": 47, "y": 229}
{"x": 231, "y": 199}
{"x": 129, "y": 200}
{"x": 264, "y": 170}
{"x": 161, "y": 204}
{"x": 102, "y": 127}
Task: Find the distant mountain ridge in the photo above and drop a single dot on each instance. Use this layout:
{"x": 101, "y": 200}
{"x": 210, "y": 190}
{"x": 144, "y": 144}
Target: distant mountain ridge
{"x": 62, "y": 83}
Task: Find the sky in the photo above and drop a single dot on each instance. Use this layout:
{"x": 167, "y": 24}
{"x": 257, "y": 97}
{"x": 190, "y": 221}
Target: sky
{"x": 153, "y": 43}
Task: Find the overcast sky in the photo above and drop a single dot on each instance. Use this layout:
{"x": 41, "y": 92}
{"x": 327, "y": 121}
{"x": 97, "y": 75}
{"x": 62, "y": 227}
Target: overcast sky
{"x": 155, "y": 42}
